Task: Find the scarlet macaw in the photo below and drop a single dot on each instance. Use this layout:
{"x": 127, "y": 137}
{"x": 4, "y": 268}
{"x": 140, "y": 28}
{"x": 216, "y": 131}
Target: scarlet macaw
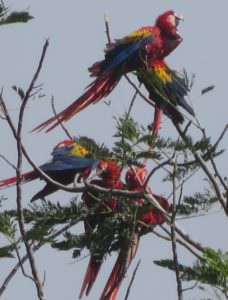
{"x": 110, "y": 178}
{"x": 68, "y": 159}
{"x": 167, "y": 88}
{"x": 135, "y": 179}
{"x": 139, "y": 49}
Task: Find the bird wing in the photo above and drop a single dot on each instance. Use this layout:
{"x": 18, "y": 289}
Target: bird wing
{"x": 167, "y": 88}
{"x": 122, "y": 49}
{"x": 70, "y": 157}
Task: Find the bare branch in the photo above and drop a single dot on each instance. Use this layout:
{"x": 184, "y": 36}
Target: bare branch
{"x": 155, "y": 169}
{"x": 8, "y": 162}
{"x": 179, "y": 241}
{"x": 34, "y": 249}
{"x": 173, "y": 239}
{"x": 107, "y": 31}
{"x": 132, "y": 102}
{"x": 39, "y": 287}
{"x": 220, "y": 137}
{"x": 21, "y": 265}
{"x": 58, "y": 119}
{"x": 206, "y": 170}
{"x": 132, "y": 280}
{"x": 148, "y": 100}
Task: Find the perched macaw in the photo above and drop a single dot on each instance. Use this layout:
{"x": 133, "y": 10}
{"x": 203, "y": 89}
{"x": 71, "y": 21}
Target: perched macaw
{"x": 110, "y": 178}
{"x": 134, "y": 179}
{"x": 167, "y": 88}
{"x": 68, "y": 159}
{"x": 139, "y": 49}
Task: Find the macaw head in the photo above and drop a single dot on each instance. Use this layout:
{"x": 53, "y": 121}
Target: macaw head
{"x": 72, "y": 147}
{"x": 135, "y": 177}
{"x": 64, "y": 144}
{"x": 109, "y": 169}
{"x": 168, "y": 23}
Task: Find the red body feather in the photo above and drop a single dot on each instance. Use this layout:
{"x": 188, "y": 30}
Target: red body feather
{"x": 110, "y": 178}
{"x": 134, "y": 179}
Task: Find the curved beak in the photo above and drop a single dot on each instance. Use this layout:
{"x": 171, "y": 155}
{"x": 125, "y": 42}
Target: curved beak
{"x": 178, "y": 18}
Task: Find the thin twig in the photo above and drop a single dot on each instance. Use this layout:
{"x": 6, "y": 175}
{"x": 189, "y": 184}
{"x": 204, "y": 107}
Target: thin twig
{"x": 148, "y": 100}
{"x": 132, "y": 102}
{"x": 191, "y": 287}
{"x": 211, "y": 157}
{"x": 204, "y": 167}
{"x": 178, "y": 229}
{"x": 21, "y": 265}
{"x": 34, "y": 249}
{"x": 155, "y": 169}
{"x": 132, "y": 280}
{"x": 107, "y": 31}
{"x": 59, "y": 120}
{"x": 179, "y": 241}
{"x": 35, "y": 276}
{"x": 8, "y": 162}
{"x": 220, "y": 137}
{"x": 173, "y": 239}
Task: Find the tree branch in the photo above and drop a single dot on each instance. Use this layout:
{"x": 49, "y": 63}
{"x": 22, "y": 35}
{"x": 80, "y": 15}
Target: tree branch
{"x": 132, "y": 280}
{"x": 59, "y": 120}
{"x": 206, "y": 170}
{"x": 173, "y": 239}
{"x": 34, "y": 249}
{"x": 39, "y": 287}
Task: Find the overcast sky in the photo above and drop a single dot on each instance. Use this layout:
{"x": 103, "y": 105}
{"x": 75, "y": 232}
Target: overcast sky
{"x": 77, "y": 37}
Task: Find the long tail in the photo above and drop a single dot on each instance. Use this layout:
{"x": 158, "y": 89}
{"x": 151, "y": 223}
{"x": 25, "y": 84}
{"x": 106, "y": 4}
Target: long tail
{"x": 98, "y": 89}
{"x": 25, "y": 177}
{"x": 90, "y": 275}
{"x": 119, "y": 270}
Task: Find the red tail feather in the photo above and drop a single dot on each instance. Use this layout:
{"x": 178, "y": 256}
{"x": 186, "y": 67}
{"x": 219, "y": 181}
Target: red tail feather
{"x": 122, "y": 264}
{"x": 10, "y": 181}
{"x": 99, "y": 89}
{"x": 90, "y": 275}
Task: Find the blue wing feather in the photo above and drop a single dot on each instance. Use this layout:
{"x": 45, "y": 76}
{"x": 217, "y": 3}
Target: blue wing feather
{"x": 69, "y": 163}
{"x": 123, "y": 51}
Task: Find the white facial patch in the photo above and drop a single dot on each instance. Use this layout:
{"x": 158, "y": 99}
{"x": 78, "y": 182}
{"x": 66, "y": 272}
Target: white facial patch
{"x": 172, "y": 20}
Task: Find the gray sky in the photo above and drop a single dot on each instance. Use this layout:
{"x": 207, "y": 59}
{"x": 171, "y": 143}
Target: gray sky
{"x": 77, "y": 38}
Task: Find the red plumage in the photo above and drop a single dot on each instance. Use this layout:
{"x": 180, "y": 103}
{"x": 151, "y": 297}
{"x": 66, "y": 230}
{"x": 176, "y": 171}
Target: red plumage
{"x": 137, "y": 50}
{"x": 25, "y": 177}
{"x": 98, "y": 89}
{"x": 110, "y": 178}
{"x": 135, "y": 178}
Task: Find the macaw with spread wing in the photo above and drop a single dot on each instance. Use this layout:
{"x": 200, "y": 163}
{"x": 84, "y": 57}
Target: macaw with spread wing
{"x": 68, "y": 159}
{"x": 137, "y": 50}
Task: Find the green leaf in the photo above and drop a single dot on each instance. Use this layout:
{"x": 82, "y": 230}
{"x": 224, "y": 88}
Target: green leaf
{"x": 7, "y": 225}
{"x": 6, "y": 251}
{"x": 16, "y": 17}
{"x": 19, "y": 91}
{"x": 207, "y": 89}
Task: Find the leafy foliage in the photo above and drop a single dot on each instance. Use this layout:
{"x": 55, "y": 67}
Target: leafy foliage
{"x": 7, "y": 17}
{"x": 199, "y": 202}
{"x": 96, "y": 151}
{"x": 7, "y": 229}
{"x": 212, "y": 269}
{"x": 19, "y": 91}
